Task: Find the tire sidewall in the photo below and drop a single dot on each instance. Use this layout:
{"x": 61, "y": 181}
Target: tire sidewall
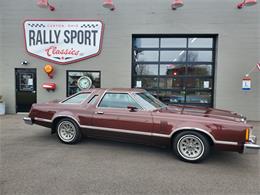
{"x": 78, "y": 134}
{"x": 203, "y": 140}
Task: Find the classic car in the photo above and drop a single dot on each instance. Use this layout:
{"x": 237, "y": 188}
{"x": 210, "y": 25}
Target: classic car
{"x": 134, "y": 115}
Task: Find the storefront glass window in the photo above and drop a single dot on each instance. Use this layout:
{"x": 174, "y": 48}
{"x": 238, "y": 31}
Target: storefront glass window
{"x": 73, "y": 77}
{"x": 173, "y": 56}
{"x": 200, "y": 42}
{"x": 173, "y": 42}
{"x": 177, "y": 70}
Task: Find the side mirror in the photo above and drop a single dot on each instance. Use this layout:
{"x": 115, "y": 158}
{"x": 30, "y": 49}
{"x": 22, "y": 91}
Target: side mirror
{"x": 131, "y": 108}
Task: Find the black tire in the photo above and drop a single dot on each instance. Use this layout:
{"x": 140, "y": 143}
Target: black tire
{"x": 68, "y": 131}
{"x": 191, "y": 146}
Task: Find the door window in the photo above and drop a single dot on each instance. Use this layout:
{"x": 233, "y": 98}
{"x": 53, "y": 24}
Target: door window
{"x": 118, "y": 100}
{"x": 77, "y": 99}
{"x": 26, "y": 82}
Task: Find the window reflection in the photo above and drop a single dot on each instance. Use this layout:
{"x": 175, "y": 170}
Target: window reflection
{"x": 171, "y": 83}
{"x": 199, "y": 56}
{"x": 184, "y": 64}
{"x": 146, "y": 82}
{"x": 171, "y": 97}
{"x": 198, "y": 83}
{"x": 200, "y": 42}
{"x": 146, "y": 43}
{"x": 200, "y": 70}
{"x": 172, "y": 69}
{"x": 173, "y": 42}
{"x": 146, "y": 69}
{"x": 198, "y": 97}
{"x": 146, "y": 56}
{"x": 173, "y": 56}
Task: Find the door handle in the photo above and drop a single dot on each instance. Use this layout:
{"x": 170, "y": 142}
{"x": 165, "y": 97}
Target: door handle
{"x": 99, "y": 112}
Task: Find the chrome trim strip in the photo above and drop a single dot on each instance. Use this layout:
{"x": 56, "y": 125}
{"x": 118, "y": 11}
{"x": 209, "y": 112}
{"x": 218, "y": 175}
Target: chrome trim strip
{"x": 43, "y": 120}
{"x": 63, "y": 101}
{"x": 226, "y": 142}
{"x": 101, "y": 97}
{"x": 160, "y": 135}
{"x": 27, "y": 120}
{"x": 149, "y": 134}
{"x": 116, "y": 130}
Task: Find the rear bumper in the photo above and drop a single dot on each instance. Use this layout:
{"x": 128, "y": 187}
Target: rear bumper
{"x": 251, "y": 147}
{"x": 27, "y": 120}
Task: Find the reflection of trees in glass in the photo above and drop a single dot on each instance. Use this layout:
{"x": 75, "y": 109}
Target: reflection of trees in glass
{"x": 175, "y": 69}
{"x": 142, "y": 69}
{"x": 199, "y": 70}
{"x": 192, "y": 57}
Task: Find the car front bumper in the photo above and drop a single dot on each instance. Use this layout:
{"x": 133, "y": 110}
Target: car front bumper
{"x": 28, "y": 120}
{"x": 251, "y": 147}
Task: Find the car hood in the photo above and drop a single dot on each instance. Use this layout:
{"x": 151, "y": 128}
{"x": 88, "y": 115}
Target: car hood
{"x": 205, "y": 112}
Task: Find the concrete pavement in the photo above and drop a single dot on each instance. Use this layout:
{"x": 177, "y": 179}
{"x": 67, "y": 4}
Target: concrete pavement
{"x": 34, "y": 162}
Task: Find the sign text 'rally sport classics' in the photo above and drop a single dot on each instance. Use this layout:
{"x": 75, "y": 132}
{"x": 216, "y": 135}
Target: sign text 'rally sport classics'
{"x": 63, "y": 41}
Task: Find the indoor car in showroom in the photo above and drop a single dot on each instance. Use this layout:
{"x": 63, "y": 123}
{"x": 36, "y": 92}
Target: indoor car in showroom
{"x": 134, "y": 115}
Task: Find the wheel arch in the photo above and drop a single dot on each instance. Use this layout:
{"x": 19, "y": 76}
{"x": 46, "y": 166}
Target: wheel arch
{"x": 203, "y": 132}
{"x": 56, "y": 119}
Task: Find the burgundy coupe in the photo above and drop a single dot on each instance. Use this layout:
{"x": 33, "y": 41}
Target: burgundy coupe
{"x": 135, "y": 115}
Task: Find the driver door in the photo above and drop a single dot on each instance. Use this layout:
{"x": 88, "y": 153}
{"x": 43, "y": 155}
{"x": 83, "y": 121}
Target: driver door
{"x": 112, "y": 115}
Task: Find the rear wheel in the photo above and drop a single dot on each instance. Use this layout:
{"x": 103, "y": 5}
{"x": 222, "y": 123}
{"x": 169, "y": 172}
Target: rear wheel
{"x": 191, "y": 146}
{"x": 68, "y": 131}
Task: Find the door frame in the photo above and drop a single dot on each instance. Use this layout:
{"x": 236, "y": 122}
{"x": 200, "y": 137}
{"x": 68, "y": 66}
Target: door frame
{"x": 15, "y": 74}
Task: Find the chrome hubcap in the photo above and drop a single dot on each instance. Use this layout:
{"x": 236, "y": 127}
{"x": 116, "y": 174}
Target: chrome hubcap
{"x": 190, "y": 147}
{"x": 66, "y": 131}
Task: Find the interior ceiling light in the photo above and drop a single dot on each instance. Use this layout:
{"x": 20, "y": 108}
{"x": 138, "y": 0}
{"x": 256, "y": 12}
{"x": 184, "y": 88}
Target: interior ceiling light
{"x": 109, "y": 4}
{"x": 176, "y": 4}
{"x": 246, "y": 3}
{"x": 45, "y": 4}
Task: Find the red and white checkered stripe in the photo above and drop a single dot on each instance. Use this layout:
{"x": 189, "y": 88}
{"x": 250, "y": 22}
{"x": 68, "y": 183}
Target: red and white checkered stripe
{"x": 258, "y": 65}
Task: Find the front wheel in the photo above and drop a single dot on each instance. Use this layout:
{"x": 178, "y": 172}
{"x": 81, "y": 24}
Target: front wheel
{"x": 191, "y": 146}
{"x": 68, "y": 131}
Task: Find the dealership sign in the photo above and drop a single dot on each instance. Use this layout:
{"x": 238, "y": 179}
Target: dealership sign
{"x": 63, "y": 41}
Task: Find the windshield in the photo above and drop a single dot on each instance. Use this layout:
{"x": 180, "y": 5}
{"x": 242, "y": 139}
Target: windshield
{"x": 148, "y": 101}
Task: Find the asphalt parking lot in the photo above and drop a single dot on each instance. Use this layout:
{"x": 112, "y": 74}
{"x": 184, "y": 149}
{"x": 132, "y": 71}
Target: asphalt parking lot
{"x": 34, "y": 162}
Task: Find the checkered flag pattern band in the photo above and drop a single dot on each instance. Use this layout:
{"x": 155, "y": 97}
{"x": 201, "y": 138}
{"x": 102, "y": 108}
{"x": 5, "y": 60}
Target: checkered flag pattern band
{"x": 89, "y": 25}
{"x": 36, "y": 25}
{"x": 258, "y": 65}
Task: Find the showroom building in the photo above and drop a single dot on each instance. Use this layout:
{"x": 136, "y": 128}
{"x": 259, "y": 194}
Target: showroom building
{"x": 197, "y": 54}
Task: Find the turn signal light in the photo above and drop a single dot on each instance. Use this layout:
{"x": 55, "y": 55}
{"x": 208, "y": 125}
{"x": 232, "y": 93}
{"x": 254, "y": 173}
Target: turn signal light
{"x": 247, "y": 134}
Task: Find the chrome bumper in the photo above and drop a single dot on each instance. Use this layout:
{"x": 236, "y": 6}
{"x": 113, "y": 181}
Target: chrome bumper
{"x": 251, "y": 147}
{"x": 27, "y": 120}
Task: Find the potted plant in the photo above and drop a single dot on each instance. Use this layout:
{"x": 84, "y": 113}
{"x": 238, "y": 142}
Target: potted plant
{"x": 2, "y": 105}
